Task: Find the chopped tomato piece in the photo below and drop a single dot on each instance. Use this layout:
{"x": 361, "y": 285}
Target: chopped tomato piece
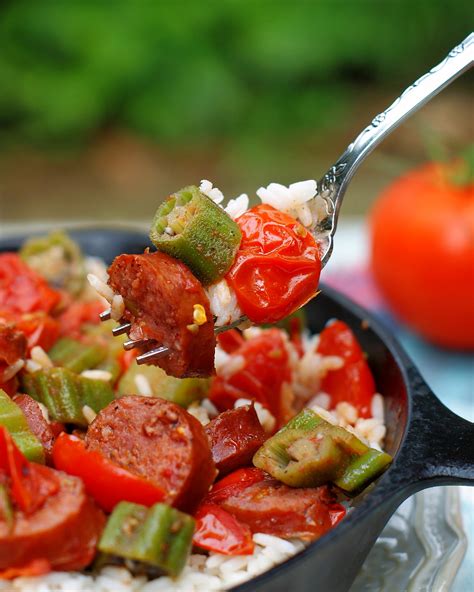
{"x": 30, "y": 483}
{"x": 106, "y": 482}
{"x": 38, "y": 327}
{"x": 78, "y": 314}
{"x": 22, "y": 289}
{"x": 277, "y": 267}
{"x": 234, "y": 483}
{"x": 37, "y": 567}
{"x": 217, "y": 530}
{"x": 353, "y": 382}
{"x": 265, "y": 370}
{"x": 230, "y": 340}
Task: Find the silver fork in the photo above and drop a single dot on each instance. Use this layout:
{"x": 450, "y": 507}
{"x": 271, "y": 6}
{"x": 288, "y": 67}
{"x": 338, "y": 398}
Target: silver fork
{"x": 332, "y": 186}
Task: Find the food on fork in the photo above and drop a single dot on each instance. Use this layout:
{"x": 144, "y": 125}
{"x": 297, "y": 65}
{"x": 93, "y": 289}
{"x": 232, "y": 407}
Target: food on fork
{"x": 110, "y": 465}
{"x": 210, "y": 270}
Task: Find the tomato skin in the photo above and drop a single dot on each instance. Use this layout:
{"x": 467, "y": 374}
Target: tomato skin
{"x": 277, "y": 267}
{"x": 22, "y": 289}
{"x": 422, "y": 254}
{"x": 30, "y": 483}
{"x": 230, "y": 340}
{"x": 77, "y": 314}
{"x": 107, "y": 483}
{"x": 217, "y": 530}
{"x": 265, "y": 371}
{"x": 353, "y": 382}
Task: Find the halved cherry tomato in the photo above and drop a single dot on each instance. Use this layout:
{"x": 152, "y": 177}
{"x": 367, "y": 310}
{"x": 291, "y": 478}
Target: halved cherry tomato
{"x": 106, "y": 482}
{"x": 37, "y": 567}
{"x": 353, "y": 382}
{"x": 38, "y": 327}
{"x": 30, "y": 483}
{"x": 277, "y": 267}
{"x": 230, "y": 340}
{"x": 233, "y": 483}
{"x": 79, "y": 313}
{"x": 266, "y": 368}
{"x": 217, "y": 530}
{"x": 22, "y": 289}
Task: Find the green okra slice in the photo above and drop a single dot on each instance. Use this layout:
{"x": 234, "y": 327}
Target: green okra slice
{"x": 182, "y": 391}
{"x": 76, "y": 355}
{"x": 65, "y": 393}
{"x": 159, "y": 537}
{"x": 13, "y": 418}
{"x": 57, "y": 258}
{"x": 362, "y": 470}
{"x": 310, "y": 451}
{"x": 191, "y": 227}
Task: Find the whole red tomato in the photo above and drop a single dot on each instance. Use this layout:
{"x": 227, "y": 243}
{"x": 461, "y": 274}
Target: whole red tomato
{"x": 422, "y": 231}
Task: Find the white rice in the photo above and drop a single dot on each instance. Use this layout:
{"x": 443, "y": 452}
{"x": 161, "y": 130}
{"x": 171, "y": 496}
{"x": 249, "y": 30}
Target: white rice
{"x": 97, "y": 375}
{"x": 292, "y": 199}
{"x": 11, "y": 370}
{"x": 238, "y": 206}
{"x": 143, "y": 385}
{"x": 39, "y": 356}
{"x": 101, "y": 287}
{"x": 88, "y": 413}
{"x": 117, "y": 307}
{"x": 203, "y": 573}
{"x": 212, "y": 192}
{"x": 223, "y": 302}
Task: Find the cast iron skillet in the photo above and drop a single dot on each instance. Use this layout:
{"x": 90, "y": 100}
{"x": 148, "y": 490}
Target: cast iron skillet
{"x": 431, "y": 445}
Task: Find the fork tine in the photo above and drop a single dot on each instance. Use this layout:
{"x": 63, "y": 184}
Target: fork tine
{"x": 121, "y": 329}
{"x": 105, "y": 316}
{"x": 152, "y": 355}
{"x": 131, "y": 343}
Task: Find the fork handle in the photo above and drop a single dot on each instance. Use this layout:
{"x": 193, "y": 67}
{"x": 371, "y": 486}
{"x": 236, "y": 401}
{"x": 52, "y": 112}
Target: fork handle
{"x": 415, "y": 96}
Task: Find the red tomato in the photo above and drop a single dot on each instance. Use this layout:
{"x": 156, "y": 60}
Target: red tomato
{"x": 38, "y": 328}
{"x": 277, "y": 267}
{"x": 422, "y": 229}
{"x": 107, "y": 483}
{"x": 230, "y": 340}
{"x": 217, "y": 530}
{"x": 22, "y": 289}
{"x": 266, "y": 369}
{"x": 353, "y": 382}
{"x": 234, "y": 483}
{"x": 79, "y": 313}
{"x": 36, "y": 567}
{"x": 30, "y": 483}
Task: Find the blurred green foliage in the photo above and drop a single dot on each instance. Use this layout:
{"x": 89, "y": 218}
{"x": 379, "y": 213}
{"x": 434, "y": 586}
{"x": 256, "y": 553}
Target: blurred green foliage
{"x": 192, "y": 72}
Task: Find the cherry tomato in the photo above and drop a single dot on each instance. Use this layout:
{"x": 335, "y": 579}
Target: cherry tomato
{"x": 36, "y": 567}
{"x": 422, "y": 253}
{"x": 107, "y": 483}
{"x": 30, "y": 483}
{"x": 79, "y": 313}
{"x": 22, "y": 289}
{"x": 265, "y": 370}
{"x": 217, "y": 530}
{"x": 230, "y": 340}
{"x": 353, "y": 382}
{"x": 277, "y": 267}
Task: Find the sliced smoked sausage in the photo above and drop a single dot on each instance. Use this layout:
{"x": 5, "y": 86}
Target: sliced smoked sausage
{"x": 160, "y": 295}
{"x": 159, "y": 441}
{"x": 235, "y": 436}
{"x": 36, "y": 422}
{"x": 64, "y": 530}
{"x": 267, "y": 505}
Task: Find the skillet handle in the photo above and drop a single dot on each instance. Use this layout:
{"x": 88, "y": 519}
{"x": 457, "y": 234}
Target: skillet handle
{"x": 439, "y": 445}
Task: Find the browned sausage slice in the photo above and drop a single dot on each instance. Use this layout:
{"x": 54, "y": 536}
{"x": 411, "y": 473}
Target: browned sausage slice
{"x": 36, "y": 422}
{"x": 159, "y": 441}
{"x": 12, "y": 344}
{"x": 271, "y": 507}
{"x": 160, "y": 293}
{"x": 235, "y": 436}
{"x": 64, "y": 531}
